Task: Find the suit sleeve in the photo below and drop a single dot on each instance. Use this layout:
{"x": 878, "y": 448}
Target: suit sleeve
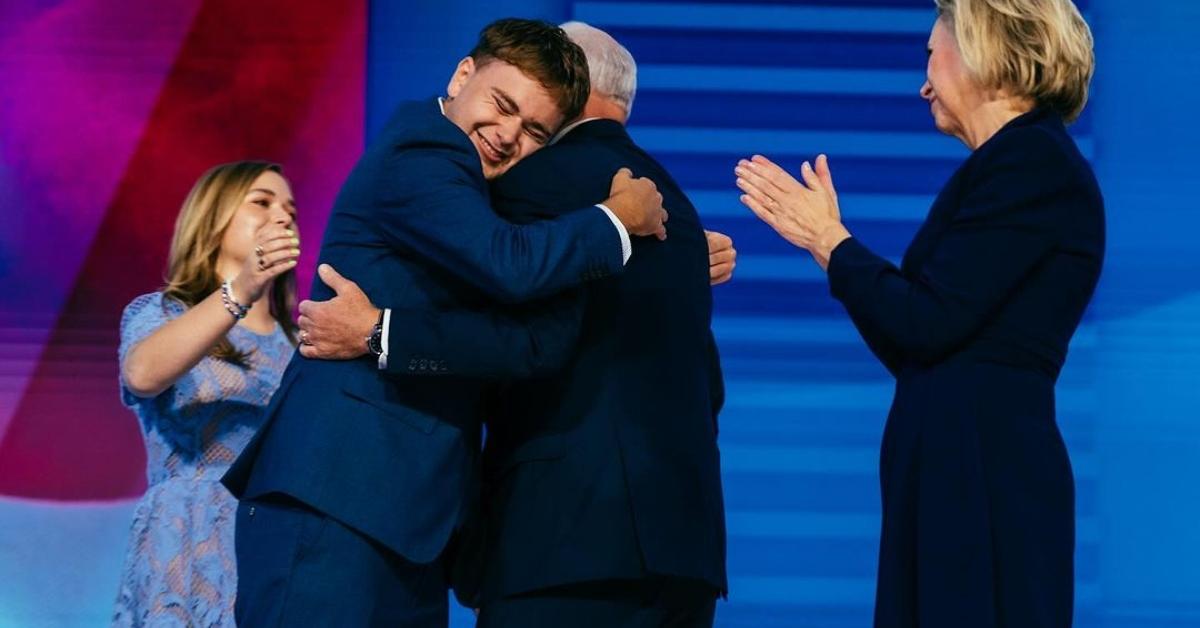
{"x": 716, "y": 381}
{"x": 521, "y": 341}
{"x": 887, "y": 352}
{"x": 1004, "y": 227}
{"x": 435, "y": 208}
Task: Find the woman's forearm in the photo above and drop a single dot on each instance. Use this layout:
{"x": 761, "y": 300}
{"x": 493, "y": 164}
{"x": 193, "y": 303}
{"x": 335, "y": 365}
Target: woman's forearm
{"x": 164, "y": 356}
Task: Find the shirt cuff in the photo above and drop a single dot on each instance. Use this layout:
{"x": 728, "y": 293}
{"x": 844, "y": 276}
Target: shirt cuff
{"x": 626, "y": 245}
{"x": 383, "y": 343}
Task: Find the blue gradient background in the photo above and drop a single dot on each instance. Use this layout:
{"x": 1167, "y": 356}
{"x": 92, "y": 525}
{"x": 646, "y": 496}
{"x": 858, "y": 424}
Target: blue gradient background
{"x": 807, "y": 402}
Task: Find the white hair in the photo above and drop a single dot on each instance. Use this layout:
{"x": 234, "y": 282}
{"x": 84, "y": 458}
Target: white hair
{"x": 611, "y": 68}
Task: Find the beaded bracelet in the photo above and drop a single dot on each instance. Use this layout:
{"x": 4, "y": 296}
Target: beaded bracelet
{"x": 236, "y": 309}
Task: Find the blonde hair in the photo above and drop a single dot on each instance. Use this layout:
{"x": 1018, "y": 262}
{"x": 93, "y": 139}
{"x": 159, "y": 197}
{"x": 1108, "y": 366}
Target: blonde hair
{"x": 192, "y": 262}
{"x": 1035, "y": 49}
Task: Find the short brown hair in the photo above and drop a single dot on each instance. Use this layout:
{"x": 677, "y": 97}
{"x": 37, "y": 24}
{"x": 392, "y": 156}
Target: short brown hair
{"x": 543, "y": 52}
{"x": 1037, "y": 49}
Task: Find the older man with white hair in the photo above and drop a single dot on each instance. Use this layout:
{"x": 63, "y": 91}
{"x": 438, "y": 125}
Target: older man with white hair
{"x": 603, "y": 503}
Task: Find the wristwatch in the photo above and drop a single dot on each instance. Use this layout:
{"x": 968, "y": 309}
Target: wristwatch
{"x": 375, "y": 340}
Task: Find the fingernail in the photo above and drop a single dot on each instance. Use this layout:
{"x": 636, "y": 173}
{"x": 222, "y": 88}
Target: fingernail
{"x": 296, "y": 241}
{"x": 739, "y": 171}
{"x": 289, "y": 232}
{"x": 806, "y": 166}
{"x": 295, "y": 252}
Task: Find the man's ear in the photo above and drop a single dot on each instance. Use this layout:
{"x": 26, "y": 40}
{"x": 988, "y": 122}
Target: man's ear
{"x": 461, "y": 75}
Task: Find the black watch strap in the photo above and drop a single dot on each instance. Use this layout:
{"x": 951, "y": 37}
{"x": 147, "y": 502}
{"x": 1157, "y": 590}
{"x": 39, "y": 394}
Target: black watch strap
{"x": 375, "y": 340}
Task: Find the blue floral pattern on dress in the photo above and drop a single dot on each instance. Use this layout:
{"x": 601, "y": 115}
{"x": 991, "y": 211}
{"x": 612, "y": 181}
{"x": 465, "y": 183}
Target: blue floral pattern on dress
{"x": 179, "y": 569}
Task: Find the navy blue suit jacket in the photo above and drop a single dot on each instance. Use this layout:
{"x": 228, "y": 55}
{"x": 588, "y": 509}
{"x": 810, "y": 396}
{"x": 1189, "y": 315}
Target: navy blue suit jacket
{"x": 390, "y": 455}
{"x": 1018, "y": 228}
{"x": 978, "y": 496}
{"x": 602, "y": 461}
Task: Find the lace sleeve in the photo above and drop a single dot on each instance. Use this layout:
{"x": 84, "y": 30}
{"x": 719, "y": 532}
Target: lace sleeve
{"x": 141, "y": 318}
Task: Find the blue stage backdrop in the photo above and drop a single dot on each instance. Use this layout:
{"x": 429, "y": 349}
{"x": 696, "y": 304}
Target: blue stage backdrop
{"x": 718, "y": 81}
{"x": 800, "y": 433}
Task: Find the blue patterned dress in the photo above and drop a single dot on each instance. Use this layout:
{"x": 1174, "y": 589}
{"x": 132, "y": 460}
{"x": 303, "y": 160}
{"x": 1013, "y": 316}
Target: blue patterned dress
{"x": 179, "y": 569}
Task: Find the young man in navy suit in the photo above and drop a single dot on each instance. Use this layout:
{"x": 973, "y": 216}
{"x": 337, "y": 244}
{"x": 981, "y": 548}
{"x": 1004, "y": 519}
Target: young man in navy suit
{"x": 351, "y": 491}
{"x": 603, "y": 502}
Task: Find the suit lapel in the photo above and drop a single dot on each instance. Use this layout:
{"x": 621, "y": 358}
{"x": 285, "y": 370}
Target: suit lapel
{"x": 950, "y": 198}
{"x": 941, "y": 213}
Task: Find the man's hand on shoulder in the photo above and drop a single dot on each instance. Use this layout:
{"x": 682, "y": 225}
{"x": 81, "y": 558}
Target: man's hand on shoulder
{"x": 637, "y": 203}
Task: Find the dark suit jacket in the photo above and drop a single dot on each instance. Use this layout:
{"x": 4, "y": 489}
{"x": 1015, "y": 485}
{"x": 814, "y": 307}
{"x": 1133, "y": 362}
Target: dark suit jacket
{"x": 1001, "y": 269}
{"x": 606, "y": 466}
{"x": 391, "y": 455}
{"x": 978, "y": 496}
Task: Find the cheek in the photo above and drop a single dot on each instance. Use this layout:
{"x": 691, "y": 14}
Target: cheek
{"x": 483, "y": 115}
{"x": 523, "y": 150}
{"x": 243, "y": 226}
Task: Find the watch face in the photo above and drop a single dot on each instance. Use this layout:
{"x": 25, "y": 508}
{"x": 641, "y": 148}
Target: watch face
{"x": 375, "y": 340}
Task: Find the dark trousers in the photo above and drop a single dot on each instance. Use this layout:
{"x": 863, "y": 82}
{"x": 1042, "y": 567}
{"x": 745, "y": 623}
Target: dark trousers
{"x": 298, "y": 567}
{"x": 652, "y": 602}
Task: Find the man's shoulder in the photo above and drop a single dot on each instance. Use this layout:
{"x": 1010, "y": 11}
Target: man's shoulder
{"x": 566, "y": 172}
{"x": 605, "y": 145}
{"x": 579, "y": 169}
{"x": 420, "y": 145}
{"x": 594, "y": 140}
{"x": 584, "y": 157}
{"x": 419, "y": 124}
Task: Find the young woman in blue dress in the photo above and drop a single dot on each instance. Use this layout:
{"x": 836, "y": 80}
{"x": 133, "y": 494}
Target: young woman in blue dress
{"x": 199, "y": 360}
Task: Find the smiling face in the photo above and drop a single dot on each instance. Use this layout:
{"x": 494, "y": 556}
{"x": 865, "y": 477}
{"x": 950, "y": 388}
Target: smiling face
{"x": 506, "y": 114}
{"x": 269, "y": 199}
{"x": 952, "y": 93}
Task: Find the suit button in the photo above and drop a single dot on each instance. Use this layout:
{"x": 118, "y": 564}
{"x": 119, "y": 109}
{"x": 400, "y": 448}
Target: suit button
{"x": 251, "y": 512}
